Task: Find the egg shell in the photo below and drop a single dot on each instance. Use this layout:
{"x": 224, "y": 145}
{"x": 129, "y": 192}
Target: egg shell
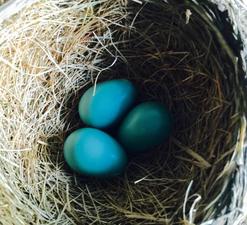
{"x": 146, "y": 126}
{"x": 92, "y": 152}
{"x": 109, "y": 102}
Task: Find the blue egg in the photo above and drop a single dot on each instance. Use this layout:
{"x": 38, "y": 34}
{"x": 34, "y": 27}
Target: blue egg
{"x": 147, "y": 125}
{"x": 108, "y": 104}
{"x": 92, "y": 152}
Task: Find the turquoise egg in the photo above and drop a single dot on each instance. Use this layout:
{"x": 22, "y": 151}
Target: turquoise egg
{"x": 108, "y": 104}
{"x": 146, "y": 126}
{"x": 92, "y": 152}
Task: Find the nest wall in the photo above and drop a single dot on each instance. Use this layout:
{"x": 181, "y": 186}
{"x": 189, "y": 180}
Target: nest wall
{"x": 184, "y": 54}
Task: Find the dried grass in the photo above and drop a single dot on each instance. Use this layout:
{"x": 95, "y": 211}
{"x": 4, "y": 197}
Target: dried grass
{"x": 53, "y": 50}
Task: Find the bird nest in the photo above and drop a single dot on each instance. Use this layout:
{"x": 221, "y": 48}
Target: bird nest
{"x": 184, "y": 54}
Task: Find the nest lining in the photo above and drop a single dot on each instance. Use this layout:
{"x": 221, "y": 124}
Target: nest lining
{"x": 48, "y": 60}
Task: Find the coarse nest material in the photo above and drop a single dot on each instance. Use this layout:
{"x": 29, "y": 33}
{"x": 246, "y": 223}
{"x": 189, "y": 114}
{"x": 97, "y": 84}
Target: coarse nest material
{"x": 175, "y": 52}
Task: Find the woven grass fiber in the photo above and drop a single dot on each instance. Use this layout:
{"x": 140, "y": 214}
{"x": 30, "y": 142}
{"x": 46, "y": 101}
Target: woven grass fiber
{"x": 183, "y": 53}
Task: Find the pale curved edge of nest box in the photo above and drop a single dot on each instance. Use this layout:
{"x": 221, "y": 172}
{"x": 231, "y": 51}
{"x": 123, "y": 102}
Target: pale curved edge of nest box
{"x": 235, "y": 185}
{"x": 12, "y": 7}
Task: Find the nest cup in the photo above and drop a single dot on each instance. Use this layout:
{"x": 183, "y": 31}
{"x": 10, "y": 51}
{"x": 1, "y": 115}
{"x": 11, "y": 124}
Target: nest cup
{"x": 185, "y": 54}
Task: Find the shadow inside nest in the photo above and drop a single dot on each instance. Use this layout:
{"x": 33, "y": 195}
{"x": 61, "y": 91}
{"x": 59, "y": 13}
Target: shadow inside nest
{"x": 181, "y": 63}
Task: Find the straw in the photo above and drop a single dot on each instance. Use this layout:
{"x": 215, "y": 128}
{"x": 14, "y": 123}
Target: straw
{"x": 51, "y": 52}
